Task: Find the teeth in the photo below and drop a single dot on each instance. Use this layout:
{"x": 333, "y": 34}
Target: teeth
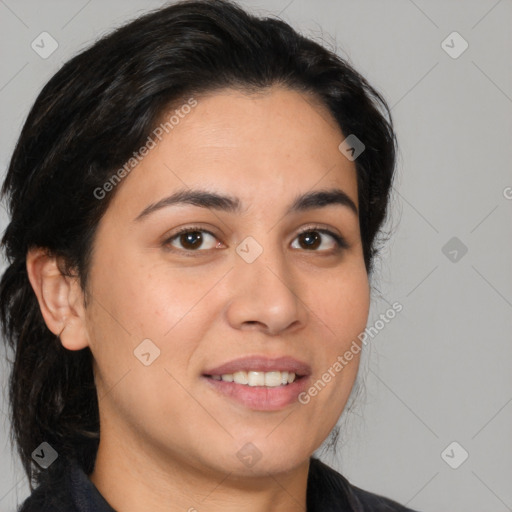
{"x": 273, "y": 379}
{"x": 256, "y": 378}
{"x": 268, "y": 379}
{"x": 241, "y": 378}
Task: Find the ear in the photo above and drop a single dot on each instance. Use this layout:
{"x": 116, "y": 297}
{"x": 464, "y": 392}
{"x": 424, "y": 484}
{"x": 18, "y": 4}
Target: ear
{"x": 60, "y": 299}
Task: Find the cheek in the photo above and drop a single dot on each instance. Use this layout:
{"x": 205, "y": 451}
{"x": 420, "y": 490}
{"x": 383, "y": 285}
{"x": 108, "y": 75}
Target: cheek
{"x": 343, "y": 305}
{"x": 146, "y": 299}
{"x": 139, "y": 301}
{"x": 132, "y": 303}
{"x": 342, "y": 308}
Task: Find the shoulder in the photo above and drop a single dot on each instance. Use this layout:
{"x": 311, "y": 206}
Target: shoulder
{"x": 65, "y": 486}
{"x": 329, "y": 491}
{"x": 52, "y": 493}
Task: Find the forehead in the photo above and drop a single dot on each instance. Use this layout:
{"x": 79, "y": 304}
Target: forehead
{"x": 267, "y": 146}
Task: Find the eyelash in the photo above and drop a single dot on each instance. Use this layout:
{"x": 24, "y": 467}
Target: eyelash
{"x": 341, "y": 243}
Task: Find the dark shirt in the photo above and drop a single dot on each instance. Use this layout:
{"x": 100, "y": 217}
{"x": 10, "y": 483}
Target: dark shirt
{"x": 327, "y": 491}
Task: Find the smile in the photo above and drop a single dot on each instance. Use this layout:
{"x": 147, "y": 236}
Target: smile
{"x": 254, "y": 378}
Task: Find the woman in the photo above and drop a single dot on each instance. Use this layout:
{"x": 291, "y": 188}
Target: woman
{"x": 195, "y": 202}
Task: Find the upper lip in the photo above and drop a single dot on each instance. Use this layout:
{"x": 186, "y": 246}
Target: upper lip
{"x": 261, "y": 364}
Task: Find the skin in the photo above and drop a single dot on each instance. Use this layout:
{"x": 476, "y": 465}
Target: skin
{"x": 169, "y": 441}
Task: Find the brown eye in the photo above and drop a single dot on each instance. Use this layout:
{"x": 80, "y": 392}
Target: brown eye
{"x": 193, "y": 240}
{"x": 310, "y": 240}
{"x": 319, "y": 240}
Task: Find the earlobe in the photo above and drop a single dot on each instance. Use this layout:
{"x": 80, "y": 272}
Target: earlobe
{"x": 57, "y": 295}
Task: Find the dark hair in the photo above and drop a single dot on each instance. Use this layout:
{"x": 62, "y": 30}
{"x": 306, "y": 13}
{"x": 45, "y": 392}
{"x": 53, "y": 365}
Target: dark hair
{"x": 87, "y": 122}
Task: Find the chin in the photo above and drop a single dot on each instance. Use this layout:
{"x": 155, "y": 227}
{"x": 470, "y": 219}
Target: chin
{"x": 263, "y": 468}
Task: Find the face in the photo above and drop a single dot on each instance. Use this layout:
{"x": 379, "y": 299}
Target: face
{"x": 249, "y": 270}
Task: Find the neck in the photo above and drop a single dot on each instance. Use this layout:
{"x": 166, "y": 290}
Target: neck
{"x": 139, "y": 479}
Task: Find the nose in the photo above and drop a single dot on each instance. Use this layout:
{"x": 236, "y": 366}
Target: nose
{"x": 265, "y": 296}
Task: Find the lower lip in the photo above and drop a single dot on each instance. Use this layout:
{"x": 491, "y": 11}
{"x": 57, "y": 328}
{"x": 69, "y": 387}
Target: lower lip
{"x": 260, "y": 398}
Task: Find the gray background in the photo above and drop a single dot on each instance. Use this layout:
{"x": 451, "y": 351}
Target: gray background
{"x": 440, "y": 371}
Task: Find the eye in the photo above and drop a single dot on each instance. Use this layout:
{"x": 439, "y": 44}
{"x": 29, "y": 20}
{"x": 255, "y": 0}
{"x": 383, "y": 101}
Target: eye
{"x": 319, "y": 240}
{"x": 193, "y": 239}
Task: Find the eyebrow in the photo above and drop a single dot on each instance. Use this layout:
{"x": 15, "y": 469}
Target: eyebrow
{"x": 230, "y": 204}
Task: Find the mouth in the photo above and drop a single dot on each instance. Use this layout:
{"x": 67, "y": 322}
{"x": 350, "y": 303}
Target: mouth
{"x": 254, "y": 378}
{"x": 260, "y": 383}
